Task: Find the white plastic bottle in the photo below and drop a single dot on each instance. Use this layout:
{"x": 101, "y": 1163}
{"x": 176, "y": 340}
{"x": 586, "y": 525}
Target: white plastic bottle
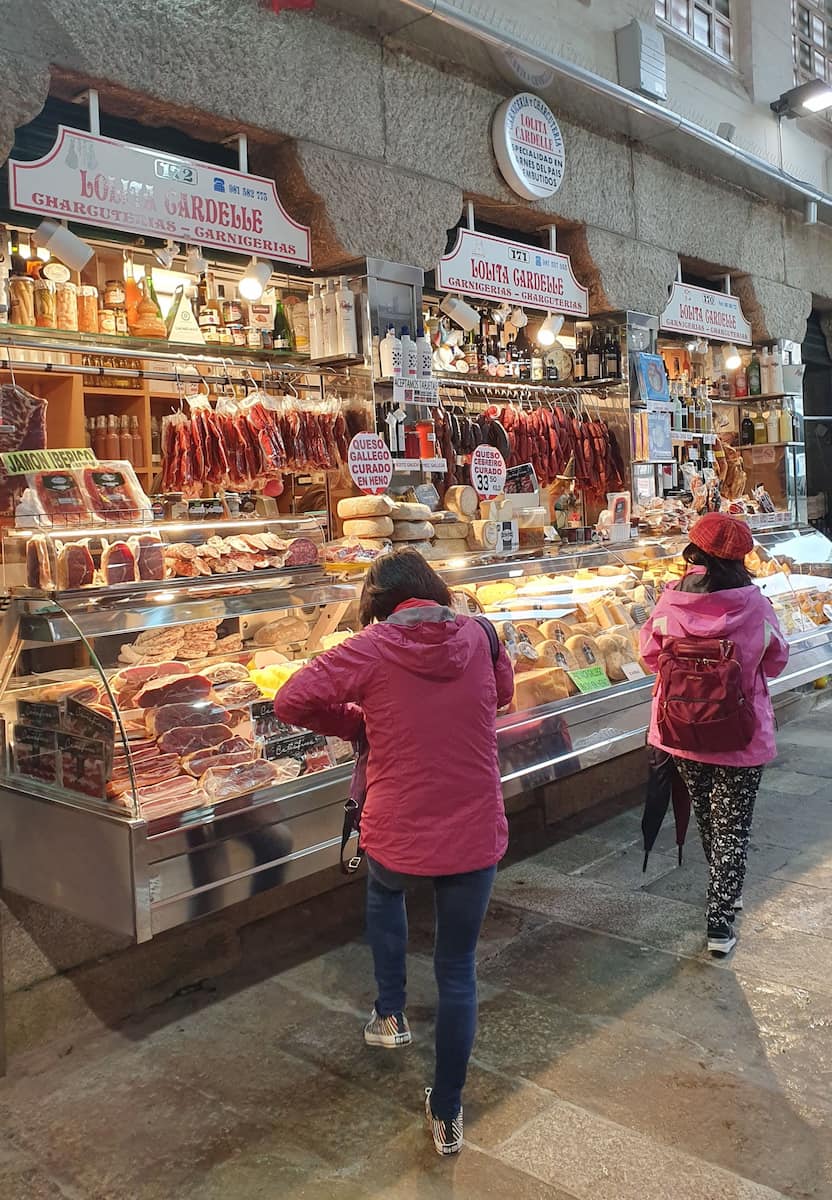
{"x": 390, "y": 354}
{"x": 776, "y": 372}
{"x": 329, "y": 320}
{"x": 424, "y": 356}
{"x": 765, "y": 371}
{"x": 347, "y": 331}
{"x": 408, "y": 354}
{"x": 773, "y": 425}
{"x": 313, "y": 305}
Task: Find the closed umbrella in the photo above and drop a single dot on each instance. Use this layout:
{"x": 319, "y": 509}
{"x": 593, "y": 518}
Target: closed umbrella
{"x": 664, "y": 785}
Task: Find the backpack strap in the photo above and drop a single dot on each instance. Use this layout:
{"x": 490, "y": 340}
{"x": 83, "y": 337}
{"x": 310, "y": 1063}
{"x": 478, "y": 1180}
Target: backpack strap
{"x": 491, "y": 634}
{"x": 352, "y": 824}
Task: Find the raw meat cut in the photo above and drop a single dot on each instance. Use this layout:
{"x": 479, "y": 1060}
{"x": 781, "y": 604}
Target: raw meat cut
{"x": 150, "y": 556}
{"x": 199, "y": 761}
{"x": 185, "y": 739}
{"x": 226, "y": 672}
{"x": 75, "y": 568}
{"x": 156, "y": 795}
{"x": 53, "y": 498}
{"x": 226, "y": 782}
{"x": 237, "y": 695}
{"x": 197, "y": 764}
{"x": 24, "y": 421}
{"x": 127, "y": 683}
{"x": 181, "y": 689}
{"x": 146, "y": 771}
{"x": 40, "y": 562}
{"x": 118, "y": 564}
{"x": 160, "y": 720}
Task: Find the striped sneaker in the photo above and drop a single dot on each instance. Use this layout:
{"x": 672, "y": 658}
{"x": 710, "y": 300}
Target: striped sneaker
{"x": 447, "y": 1135}
{"x": 390, "y": 1032}
{"x": 738, "y": 904}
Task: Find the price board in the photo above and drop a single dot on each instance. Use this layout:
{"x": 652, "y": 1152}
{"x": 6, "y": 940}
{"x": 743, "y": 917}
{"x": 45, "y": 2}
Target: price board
{"x": 488, "y": 472}
{"x": 370, "y": 463}
{"x": 589, "y": 679}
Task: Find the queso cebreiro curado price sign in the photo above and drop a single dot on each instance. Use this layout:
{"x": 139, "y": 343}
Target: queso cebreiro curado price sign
{"x": 488, "y": 472}
{"x": 370, "y": 463}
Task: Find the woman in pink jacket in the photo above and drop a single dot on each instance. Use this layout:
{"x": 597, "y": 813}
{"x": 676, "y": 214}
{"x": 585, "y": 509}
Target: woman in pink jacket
{"x": 718, "y": 599}
{"x": 422, "y": 683}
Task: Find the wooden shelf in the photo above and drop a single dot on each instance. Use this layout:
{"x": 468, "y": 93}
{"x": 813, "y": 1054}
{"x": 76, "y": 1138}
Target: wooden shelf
{"x": 128, "y": 393}
{"x": 762, "y": 445}
{"x": 743, "y": 400}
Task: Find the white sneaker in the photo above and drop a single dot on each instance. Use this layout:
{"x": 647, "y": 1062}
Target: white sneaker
{"x": 447, "y": 1135}
{"x": 390, "y": 1032}
{"x": 738, "y": 904}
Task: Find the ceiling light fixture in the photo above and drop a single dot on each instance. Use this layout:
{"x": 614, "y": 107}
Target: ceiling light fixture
{"x": 166, "y": 254}
{"x": 731, "y": 358}
{"x": 518, "y": 318}
{"x": 195, "y": 262}
{"x": 549, "y": 329}
{"x": 804, "y": 100}
{"x": 254, "y": 281}
{"x": 65, "y": 245}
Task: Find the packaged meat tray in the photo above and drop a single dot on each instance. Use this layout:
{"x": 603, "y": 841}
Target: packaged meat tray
{"x": 113, "y": 492}
{"x": 54, "y": 499}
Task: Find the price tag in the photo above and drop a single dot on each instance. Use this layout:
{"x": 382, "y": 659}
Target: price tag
{"x": 711, "y": 456}
{"x": 434, "y": 464}
{"x": 632, "y": 671}
{"x": 370, "y": 464}
{"x": 589, "y": 679}
{"x": 709, "y": 439}
{"x": 488, "y": 472}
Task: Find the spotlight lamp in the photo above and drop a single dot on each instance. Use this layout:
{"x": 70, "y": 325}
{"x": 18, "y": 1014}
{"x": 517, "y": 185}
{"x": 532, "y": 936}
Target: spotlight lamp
{"x": 804, "y": 100}
{"x": 195, "y": 262}
{"x": 549, "y": 329}
{"x": 253, "y": 283}
{"x": 731, "y": 358}
{"x": 166, "y": 254}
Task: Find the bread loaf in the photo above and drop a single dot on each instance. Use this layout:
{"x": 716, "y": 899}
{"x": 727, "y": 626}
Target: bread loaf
{"x": 462, "y": 500}
{"x": 369, "y": 527}
{"x": 410, "y": 512}
{"x": 543, "y": 686}
{"x": 483, "y": 535}
{"x": 365, "y": 506}
{"x": 447, "y": 530}
{"x": 585, "y": 650}
{"x": 411, "y": 531}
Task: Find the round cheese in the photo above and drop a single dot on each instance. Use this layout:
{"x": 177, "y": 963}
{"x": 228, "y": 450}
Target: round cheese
{"x": 411, "y": 531}
{"x": 555, "y": 654}
{"x": 556, "y": 631}
{"x": 495, "y": 593}
{"x": 447, "y": 530}
{"x": 529, "y": 632}
{"x": 483, "y": 535}
{"x": 585, "y": 650}
{"x": 462, "y": 500}
{"x": 369, "y": 527}
{"x": 616, "y": 651}
{"x": 365, "y": 506}
{"x": 410, "y": 512}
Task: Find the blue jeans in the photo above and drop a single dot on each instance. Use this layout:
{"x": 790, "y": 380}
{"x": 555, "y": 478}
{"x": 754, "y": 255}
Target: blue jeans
{"x": 461, "y": 902}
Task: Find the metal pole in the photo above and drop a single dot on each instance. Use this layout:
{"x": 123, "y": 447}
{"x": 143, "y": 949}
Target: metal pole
{"x": 95, "y": 121}
{"x": 726, "y": 284}
{"x": 469, "y": 214}
{"x": 553, "y": 238}
{"x": 242, "y": 150}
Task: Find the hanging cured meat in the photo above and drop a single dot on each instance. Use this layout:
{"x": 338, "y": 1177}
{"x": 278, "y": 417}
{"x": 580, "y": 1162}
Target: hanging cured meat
{"x": 22, "y": 427}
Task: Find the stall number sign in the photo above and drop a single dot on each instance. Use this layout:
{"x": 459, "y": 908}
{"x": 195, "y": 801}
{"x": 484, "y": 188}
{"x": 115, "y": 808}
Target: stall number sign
{"x": 370, "y": 463}
{"x": 706, "y": 314}
{"x": 495, "y": 268}
{"x": 528, "y": 146}
{"x": 488, "y": 472}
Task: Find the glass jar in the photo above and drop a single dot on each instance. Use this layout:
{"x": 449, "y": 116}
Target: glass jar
{"x": 87, "y": 308}
{"x": 45, "y": 306}
{"x": 120, "y": 314}
{"x": 106, "y": 320}
{"x": 22, "y": 300}
{"x": 66, "y": 306}
{"x": 232, "y": 312}
{"x": 114, "y": 293}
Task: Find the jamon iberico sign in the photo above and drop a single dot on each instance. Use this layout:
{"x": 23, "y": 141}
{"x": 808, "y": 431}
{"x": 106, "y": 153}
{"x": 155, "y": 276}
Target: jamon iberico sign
{"x": 101, "y": 181}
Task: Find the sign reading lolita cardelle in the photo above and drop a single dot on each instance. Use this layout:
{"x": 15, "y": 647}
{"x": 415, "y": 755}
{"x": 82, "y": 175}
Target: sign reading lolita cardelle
{"x": 706, "y": 314}
{"x": 528, "y": 146}
{"x": 494, "y": 268}
{"x": 101, "y": 181}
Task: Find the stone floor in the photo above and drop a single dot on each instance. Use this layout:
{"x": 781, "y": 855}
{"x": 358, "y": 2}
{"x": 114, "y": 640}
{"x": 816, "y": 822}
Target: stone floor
{"x": 615, "y": 1060}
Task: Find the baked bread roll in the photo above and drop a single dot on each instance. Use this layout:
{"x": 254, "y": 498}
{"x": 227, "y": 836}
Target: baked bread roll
{"x": 365, "y": 506}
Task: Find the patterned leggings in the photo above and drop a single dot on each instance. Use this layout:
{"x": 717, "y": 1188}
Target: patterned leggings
{"x": 723, "y": 800}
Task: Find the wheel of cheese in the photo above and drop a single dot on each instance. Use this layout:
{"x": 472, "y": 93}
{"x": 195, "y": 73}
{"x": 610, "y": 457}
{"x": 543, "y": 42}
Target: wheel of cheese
{"x": 555, "y": 654}
{"x": 447, "y": 530}
{"x": 411, "y": 531}
{"x": 615, "y": 651}
{"x": 587, "y": 628}
{"x": 529, "y": 632}
{"x": 365, "y": 506}
{"x": 462, "y": 500}
{"x": 369, "y": 527}
{"x": 556, "y": 631}
{"x": 410, "y": 512}
{"x": 586, "y": 650}
{"x": 483, "y": 535}
{"x": 439, "y": 551}
{"x": 495, "y": 593}
{"x": 423, "y": 548}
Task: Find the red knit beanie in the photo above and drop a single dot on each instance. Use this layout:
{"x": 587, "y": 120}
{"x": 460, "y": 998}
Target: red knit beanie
{"x": 722, "y": 536}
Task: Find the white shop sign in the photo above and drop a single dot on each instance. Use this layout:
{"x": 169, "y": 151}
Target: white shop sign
{"x": 102, "y": 181}
{"x": 706, "y": 314}
{"x": 488, "y": 472}
{"x": 496, "y": 269}
{"x": 370, "y": 464}
{"x": 528, "y": 145}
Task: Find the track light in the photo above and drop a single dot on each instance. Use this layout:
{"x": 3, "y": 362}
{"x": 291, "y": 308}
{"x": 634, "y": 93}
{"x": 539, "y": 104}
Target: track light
{"x": 463, "y": 314}
{"x": 254, "y": 281}
{"x": 195, "y": 264}
{"x": 68, "y": 247}
{"x": 549, "y": 329}
{"x": 166, "y": 254}
{"x": 731, "y": 358}
{"x": 518, "y": 318}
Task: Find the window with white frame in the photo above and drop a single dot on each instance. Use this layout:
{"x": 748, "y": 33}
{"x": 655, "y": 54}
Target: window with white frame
{"x": 706, "y": 22}
{"x": 812, "y": 40}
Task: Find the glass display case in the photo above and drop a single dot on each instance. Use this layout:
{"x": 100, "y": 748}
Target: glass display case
{"x": 146, "y": 780}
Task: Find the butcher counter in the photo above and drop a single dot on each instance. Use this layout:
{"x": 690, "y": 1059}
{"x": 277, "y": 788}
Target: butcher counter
{"x": 146, "y": 781}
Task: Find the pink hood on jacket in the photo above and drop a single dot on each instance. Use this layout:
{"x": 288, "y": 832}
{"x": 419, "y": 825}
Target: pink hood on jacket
{"x": 424, "y": 686}
{"x": 743, "y": 616}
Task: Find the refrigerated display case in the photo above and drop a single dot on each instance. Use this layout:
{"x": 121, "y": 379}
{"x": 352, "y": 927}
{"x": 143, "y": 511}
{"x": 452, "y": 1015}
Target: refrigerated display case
{"x": 146, "y": 781}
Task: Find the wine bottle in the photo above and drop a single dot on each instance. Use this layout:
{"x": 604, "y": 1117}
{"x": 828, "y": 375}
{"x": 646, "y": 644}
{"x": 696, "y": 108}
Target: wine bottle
{"x": 612, "y": 357}
{"x": 580, "y": 357}
{"x": 281, "y": 331}
{"x": 594, "y": 355}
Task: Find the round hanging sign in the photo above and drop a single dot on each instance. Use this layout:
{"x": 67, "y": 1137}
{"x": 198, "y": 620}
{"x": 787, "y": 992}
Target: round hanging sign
{"x": 488, "y": 472}
{"x": 528, "y": 144}
{"x": 370, "y": 463}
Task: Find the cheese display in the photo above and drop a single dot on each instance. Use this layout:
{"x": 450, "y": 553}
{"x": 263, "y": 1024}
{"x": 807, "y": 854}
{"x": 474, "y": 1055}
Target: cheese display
{"x": 411, "y": 531}
{"x": 369, "y": 527}
{"x": 365, "y": 506}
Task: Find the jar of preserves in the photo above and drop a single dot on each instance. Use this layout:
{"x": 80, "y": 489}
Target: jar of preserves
{"x": 106, "y": 320}
{"x": 87, "y": 308}
{"x": 45, "y": 307}
{"x": 120, "y": 314}
{"x": 114, "y": 294}
{"x": 22, "y": 300}
{"x": 66, "y": 306}
{"x": 232, "y": 312}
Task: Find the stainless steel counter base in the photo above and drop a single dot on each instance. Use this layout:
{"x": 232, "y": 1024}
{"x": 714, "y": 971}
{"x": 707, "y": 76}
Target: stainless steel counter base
{"x": 120, "y": 875}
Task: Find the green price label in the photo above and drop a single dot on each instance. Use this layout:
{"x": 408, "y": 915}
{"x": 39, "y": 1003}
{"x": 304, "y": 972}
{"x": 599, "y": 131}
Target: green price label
{"x": 589, "y": 679}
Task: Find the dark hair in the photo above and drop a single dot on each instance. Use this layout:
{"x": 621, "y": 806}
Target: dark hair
{"x": 396, "y": 577}
{"x": 720, "y": 573}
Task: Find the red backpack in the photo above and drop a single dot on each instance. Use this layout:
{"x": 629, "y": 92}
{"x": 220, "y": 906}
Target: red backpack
{"x": 701, "y": 705}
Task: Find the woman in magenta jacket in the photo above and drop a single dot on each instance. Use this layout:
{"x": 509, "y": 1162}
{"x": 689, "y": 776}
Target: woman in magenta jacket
{"x": 421, "y": 682}
{"x": 717, "y": 598}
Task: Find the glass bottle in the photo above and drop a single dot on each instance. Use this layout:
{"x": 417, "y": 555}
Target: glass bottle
{"x": 281, "y": 331}
{"x": 111, "y": 438}
{"x": 125, "y": 440}
{"x": 137, "y": 457}
{"x": 594, "y": 355}
{"x": 99, "y": 437}
{"x": 580, "y": 357}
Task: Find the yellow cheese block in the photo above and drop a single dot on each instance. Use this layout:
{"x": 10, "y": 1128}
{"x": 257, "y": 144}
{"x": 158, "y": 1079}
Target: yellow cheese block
{"x": 544, "y": 686}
